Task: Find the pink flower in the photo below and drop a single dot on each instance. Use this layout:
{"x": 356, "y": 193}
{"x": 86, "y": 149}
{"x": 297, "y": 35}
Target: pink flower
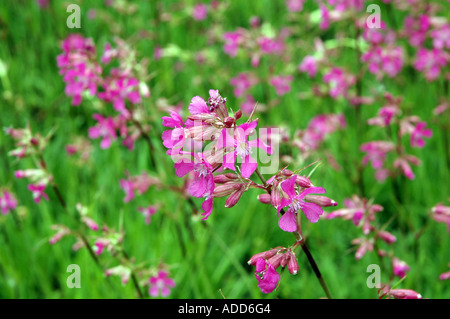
{"x": 430, "y": 62}
{"x": 242, "y": 148}
{"x": 399, "y": 267}
{"x": 296, "y": 202}
{"x": 148, "y": 212}
{"x": 282, "y": 84}
{"x": 416, "y": 29}
{"x": 38, "y": 192}
{"x": 119, "y": 88}
{"x": 441, "y": 214}
{"x": 139, "y": 183}
{"x": 200, "y": 12}
{"x": 359, "y": 210}
{"x": 105, "y": 129}
{"x": 419, "y": 133}
{"x": 445, "y": 275}
{"x": 385, "y": 116}
{"x": 376, "y": 153}
{"x": 441, "y": 37}
{"x": 295, "y": 5}
{"x": 339, "y": 82}
{"x": 78, "y": 66}
{"x": 325, "y": 17}
{"x": 266, "y": 275}
{"x": 202, "y": 171}
{"x": 404, "y": 294}
{"x": 403, "y": 163}
{"x": 242, "y": 83}
{"x": 382, "y": 61}
{"x": 308, "y": 65}
{"x": 160, "y": 284}
{"x": 7, "y": 202}
{"x": 232, "y": 42}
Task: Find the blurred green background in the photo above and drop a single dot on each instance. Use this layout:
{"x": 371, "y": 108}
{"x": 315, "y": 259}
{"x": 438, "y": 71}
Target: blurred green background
{"x": 32, "y": 92}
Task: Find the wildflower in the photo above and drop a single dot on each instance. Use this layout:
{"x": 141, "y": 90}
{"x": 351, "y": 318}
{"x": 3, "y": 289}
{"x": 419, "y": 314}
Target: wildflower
{"x": 282, "y": 84}
{"x": 242, "y": 148}
{"x": 7, "y": 202}
{"x": 78, "y": 66}
{"x": 441, "y": 214}
{"x": 266, "y": 275}
{"x": 430, "y": 62}
{"x": 232, "y": 42}
{"x": 38, "y": 192}
{"x": 160, "y": 284}
{"x": 123, "y": 272}
{"x": 403, "y": 294}
{"x": 295, "y": 202}
{"x": 399, "y": 267}
{"x": 200, "y": 12}
{"x": 445, "y": 275}
{"x": 295, "y": 5}
{"x": 308, "y": 65}
{"x": 148, "y": 212}
{"x": 339, "y": 82}
{"x": 419, "y": 132}
{"x": 105, "y": 129}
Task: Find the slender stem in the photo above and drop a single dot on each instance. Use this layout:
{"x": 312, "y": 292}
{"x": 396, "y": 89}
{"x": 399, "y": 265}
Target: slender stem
{"x": 314, "y": 266}
{"x": 304, "y": 247}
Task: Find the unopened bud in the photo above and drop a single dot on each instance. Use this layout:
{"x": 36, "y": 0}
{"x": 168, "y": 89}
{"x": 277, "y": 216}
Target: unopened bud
{"x": 293, "y": 264}
{"x": 320, "y": 200}
{"x": 234, "y": 197}
{"x": 303, "y": 181}
{"x": 264, "y": 198}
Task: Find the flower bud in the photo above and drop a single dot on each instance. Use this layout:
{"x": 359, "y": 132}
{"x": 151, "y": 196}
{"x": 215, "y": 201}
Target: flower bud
{"x": 303, "y": 181}
{"x": 404, "y": 294}
{"x": 320, "y": 200}
{"x": 265, "y": 255}
{"x": 264, "y": 198}
{"x": 234, "y": 197}
{"x": 292, "y": 264}
{"x": 387, "y": 237}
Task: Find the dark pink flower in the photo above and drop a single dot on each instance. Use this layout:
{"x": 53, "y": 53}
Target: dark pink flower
{"x": 160, "y": 284}
{"x": 232, "y": 42}
{"x": 8, "y": 202}
{"x": 419, "y": 132}
{"x": 242, "y": 148}
{"x": 38, "y": 192}
{"x": 399, "y": 267}
{"x": 266, "y": 275}
{"x": 295, "y": 202}
{"x": 339, "y": 82}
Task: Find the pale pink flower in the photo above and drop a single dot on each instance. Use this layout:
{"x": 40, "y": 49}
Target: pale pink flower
{"x": 445, "y": 275}
{"x": 282, "y": 84}
{"x": 309, "y": 65}
{"x": 441, "y": 36}
{"x": 404, "y": 294}
{"x": 200, "y": 12}
{"x": 295, "y": 5}
{"x": 148, "y": 212}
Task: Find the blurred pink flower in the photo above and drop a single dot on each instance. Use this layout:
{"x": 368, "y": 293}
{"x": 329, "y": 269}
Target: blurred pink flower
{"x": 399, "y": 267}
{"x": 160, "y": 284}
{"x": 200, "y": 12}
{"x": 8, "y": 202}
{"x": 282, "y": 84}
{"x": 38, "y": 192}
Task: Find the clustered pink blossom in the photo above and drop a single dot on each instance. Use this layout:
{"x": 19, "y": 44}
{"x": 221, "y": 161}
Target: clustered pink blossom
{"x": 8, "y": 202}
{"x": 160, "y": 284}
